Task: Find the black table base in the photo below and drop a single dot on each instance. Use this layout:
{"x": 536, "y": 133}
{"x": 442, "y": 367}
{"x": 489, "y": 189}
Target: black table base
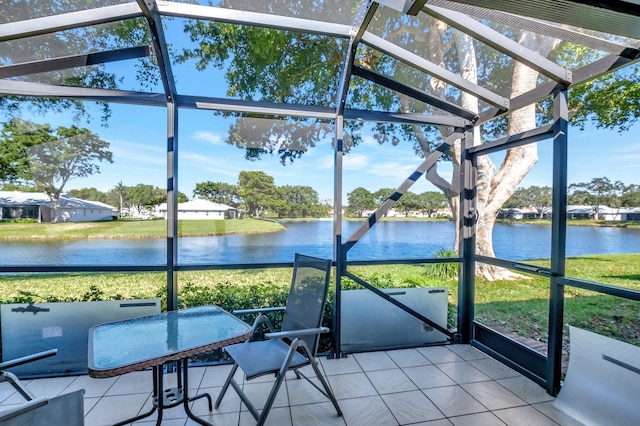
{"x": 172, "y": 397}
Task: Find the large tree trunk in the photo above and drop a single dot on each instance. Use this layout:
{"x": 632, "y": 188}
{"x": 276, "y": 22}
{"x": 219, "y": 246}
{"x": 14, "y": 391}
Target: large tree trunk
{"x": 495, "y": 189}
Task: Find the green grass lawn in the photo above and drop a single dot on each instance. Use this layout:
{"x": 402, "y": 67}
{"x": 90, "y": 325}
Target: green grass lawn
{"x": 133, "y": 229}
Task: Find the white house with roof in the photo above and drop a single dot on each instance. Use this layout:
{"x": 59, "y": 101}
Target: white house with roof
{"x": 199, "y": 209}
{"x": 38, "y": 206}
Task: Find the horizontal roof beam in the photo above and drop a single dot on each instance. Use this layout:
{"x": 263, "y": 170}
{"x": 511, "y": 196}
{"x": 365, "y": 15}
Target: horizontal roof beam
{"x": 404, "y": 118}
{"x": 241, "y": 17}
{"x": 75, "y": 61}
{"x": 65, "y": 21}
{"x": 415, "y": 93}
{"x": 519, "y": 139}
{"x": 610, "y": 17}
{"x": 430, "y": 68}
{"x": 593, "y": 70}
{"x": 534, "y": 25}
{"x": 24, "y": 88}
{"x": 255, "y": 107}
{"x": 501, "y": 43}
{"x": 606, "y": 65}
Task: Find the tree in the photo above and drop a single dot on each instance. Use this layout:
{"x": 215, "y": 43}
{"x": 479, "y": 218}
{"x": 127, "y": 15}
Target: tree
{"x": 410, "y": 201}
{"x": 261, "y": 62}
{"x": 18, "y": 137}
{"x": 293, "y": 67}
{"x": 17, "y": 187}
{"x": 259, "y": 193}
{"x": 89, "y": 194}
{"x": 537, "y": 197}
{"x": 218, "y": 192}
{"x": 182, "y": 198}
{"x": 630, "y": 196}
{"x": 91, "y": 38}
{"x": 382, "y": 194}
{"x": 54, "y": 157}
{"x": 300, "y": 201}
{"x": 432, "y": 202}
{"x": 120, "y": 191}
{"x": 597, "y": 192}
{"x": 359, "y": 200}
{"x": 143, "y": 196}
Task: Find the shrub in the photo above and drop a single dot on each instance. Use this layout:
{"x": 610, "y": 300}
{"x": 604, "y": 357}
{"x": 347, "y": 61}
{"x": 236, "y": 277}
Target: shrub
{"x": 444, "y": 270}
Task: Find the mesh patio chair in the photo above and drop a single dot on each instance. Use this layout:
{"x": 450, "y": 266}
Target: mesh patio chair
{"x": 295, "y": 345}
{"x": 67, "y": 409}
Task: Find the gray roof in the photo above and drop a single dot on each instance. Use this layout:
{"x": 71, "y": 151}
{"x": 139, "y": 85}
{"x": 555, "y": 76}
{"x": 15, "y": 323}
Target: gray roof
{"x": 66, "y": 201}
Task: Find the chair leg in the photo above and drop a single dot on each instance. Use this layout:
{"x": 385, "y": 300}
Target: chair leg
{"x": 12, "y": 379}
{"x": 226, "y": 385}
{"x": 325, "y": 385}
{"x": 274, "y": 390}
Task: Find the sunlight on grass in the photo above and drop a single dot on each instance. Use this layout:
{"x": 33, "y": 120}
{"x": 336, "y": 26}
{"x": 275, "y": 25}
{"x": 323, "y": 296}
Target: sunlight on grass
{"x": 133, "y": 229}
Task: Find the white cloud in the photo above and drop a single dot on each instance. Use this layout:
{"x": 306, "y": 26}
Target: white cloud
{"x": 326, "y": 162}
{"x": 203, "y": 135}
{"x": 191, "y": 159}
{"x": 355, "y": 161}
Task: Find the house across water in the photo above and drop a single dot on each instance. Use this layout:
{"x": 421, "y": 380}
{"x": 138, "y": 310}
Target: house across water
{"x": 38, "y": 206}
{"x": 200, "y": 210}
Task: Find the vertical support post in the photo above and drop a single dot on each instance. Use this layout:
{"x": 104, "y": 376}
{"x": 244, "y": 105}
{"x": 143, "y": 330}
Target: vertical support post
{"x": 149, "y": 9}
{"x": 467, "y": 249}
{"x": 338, "y": 250}
{"x": 172, "y": 206}
{"x": 362, "y": 19}
{"x": 558, "y": 242}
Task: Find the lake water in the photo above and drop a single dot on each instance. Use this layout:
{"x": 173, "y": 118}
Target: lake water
{"x": 387, "y": 240}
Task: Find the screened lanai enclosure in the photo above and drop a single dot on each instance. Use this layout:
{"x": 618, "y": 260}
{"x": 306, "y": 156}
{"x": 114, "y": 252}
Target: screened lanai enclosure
{"x": 467, "y": 96}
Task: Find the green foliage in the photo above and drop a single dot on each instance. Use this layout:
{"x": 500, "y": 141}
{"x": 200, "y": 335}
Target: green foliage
{"x": 218, "y": 192}
{"x": 360, "y": 200}
{"x": 301, "y": 201}
{"x": 538, "y": 197}
{"x": 611, "y": 101}
{"x": 597, "y": 192}
{"x": 630, "y": 196}
{"x": 513, "y": 306}
{"x": 444, "y": 270}
{"x": 88, "y": 194}
{"x": 49, "y": 158}
{"x": 259, "y": 193}
{"x": 144, "y": 196}
{"x": 65, "y": 43}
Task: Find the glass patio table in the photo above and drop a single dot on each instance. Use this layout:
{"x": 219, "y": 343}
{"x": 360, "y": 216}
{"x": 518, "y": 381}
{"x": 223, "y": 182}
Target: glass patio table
{"x": 152, "y": 341}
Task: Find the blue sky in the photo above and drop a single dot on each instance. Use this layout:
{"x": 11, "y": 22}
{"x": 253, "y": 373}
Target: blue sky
{"x": 137, "y": 137}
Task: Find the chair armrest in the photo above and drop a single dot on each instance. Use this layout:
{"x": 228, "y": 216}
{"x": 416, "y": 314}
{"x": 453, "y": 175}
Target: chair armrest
{"x": 296, "y": 333}
{"x": 29, "y": 358}
{"x": 259, "y": 310}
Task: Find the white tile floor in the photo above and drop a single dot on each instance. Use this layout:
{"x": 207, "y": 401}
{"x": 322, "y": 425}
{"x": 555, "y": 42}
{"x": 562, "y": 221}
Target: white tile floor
{"x": 445, "y": 385}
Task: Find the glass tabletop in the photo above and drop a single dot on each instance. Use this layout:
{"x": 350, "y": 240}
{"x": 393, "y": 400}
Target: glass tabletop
{"x": 156, "y": 339}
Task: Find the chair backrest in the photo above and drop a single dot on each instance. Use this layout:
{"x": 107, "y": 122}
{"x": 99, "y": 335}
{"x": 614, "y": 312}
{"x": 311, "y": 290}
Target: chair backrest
{"x": 307, "y": 296}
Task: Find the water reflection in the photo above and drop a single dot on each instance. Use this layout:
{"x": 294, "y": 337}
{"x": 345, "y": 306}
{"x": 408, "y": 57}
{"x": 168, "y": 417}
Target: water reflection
{"x": 387, "y": 240}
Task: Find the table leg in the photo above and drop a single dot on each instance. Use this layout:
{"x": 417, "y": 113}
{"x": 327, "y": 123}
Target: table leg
{"x": 155, "y": 398}
{"x": 187, "y": 400}
{"x": 167, "y": 398}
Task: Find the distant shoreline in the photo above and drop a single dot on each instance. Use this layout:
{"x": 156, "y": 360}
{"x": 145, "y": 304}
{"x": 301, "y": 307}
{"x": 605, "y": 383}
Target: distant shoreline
{"x": 152, "y": 229}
